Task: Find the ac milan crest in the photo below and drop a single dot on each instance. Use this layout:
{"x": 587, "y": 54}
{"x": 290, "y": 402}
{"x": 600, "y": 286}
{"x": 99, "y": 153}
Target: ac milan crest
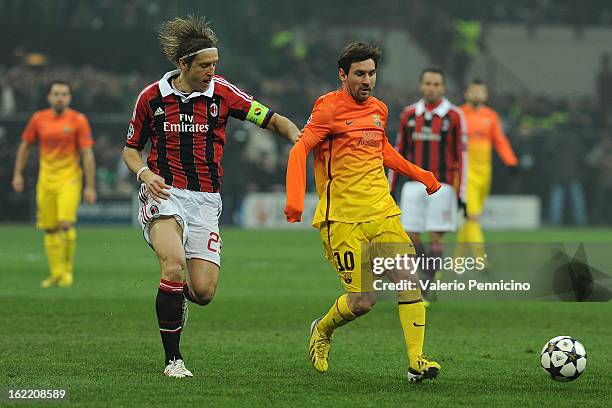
{"x": 214, "y": 110}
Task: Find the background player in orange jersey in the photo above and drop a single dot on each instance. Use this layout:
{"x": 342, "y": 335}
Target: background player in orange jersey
{"x": 346, "y": 130}
{"x": 64, "y": 136}
{"x": 484, "y": 133}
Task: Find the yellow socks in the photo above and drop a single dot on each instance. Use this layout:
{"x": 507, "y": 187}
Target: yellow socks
{"x": 472, "y": 232}
{"x": 470, "y": 240}
{"x": 69, "y": 245}
{"x": 55, "y": 254}
{"x": 68, "y": 238}
{"x": 474, "y": 237}
{"x": 59, "y": 248}
{"x": 412, "y": 317}
{"x": 411, "y": 314}
{"x": 461, "y": 233}
{"x": 338, "y": 315}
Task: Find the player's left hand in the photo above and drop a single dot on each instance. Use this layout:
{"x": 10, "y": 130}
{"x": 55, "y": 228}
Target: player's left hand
{"x": 294, "y": 138}
{"x": 430, "y": 182}
{"x": 89, "y": 195}
{"x": 433, "y": 188}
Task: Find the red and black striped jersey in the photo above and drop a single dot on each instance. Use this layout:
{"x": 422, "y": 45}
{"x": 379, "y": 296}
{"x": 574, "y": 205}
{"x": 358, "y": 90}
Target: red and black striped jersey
{"x": 434, "y": 139}
{"x": 187, "y": 132}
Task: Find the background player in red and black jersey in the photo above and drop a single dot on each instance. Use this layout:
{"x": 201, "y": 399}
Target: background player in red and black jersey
{"x": 432, "y": 135}
{"x": 184, "y": 115}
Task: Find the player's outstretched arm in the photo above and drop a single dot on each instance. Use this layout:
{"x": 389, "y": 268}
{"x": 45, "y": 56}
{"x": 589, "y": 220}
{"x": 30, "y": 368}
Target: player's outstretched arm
{"x": 316, "y": 130}
{"x": 89, "y": 167}
{"x": 284, "y": 127}
{"x": 23, "y": 151}
{"x": 393, "y": 160}
{"x": 156, "y": 185}
{"x": 296, "y": 182}
{"x": 502, "y": 144}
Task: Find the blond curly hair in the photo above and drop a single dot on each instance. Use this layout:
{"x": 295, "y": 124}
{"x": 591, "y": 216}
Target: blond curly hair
{"x": 182, "y": 36}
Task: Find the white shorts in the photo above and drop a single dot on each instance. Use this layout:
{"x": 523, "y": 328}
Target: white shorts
{"x": 425, "y": 213}
{"x": 196, "y": 212}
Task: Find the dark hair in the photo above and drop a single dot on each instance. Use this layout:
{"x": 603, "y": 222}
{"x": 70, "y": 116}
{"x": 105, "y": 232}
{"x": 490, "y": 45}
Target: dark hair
{"x": 357, "y": 52}
{"x": 434, "y": 70}
{"x": 476, "y": 81}
{"x": 179, "y": 37}
{"x": 58, "y": 82}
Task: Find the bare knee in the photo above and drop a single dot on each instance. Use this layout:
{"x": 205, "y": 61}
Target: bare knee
{"x": 203, "y": 294}
{"x": 361, "y": 303}
{"x": 203, "y": 280}
{"x": 172, "y": 268}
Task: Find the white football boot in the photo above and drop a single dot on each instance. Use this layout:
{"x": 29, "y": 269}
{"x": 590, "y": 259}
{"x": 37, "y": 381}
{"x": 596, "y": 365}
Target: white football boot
{"x": 177, "y": 369}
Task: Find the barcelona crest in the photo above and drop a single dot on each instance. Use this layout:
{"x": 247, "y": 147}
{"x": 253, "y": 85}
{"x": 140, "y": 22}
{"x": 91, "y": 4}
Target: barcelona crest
{"x": 377, "y": 121}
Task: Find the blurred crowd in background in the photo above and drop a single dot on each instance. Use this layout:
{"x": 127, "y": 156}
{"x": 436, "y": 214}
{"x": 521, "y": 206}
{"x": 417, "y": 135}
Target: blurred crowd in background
{"x": 564, "y": 144}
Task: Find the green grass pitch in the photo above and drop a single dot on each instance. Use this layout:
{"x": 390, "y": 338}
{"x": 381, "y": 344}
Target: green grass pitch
{"x": 100, "y": 341}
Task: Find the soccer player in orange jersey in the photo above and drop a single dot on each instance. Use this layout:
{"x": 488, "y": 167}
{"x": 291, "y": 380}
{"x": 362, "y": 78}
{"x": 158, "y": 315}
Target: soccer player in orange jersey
{"x": 64, "y": 136}
{"x": 484, "y": 133}
{"x": 346, "y": 130}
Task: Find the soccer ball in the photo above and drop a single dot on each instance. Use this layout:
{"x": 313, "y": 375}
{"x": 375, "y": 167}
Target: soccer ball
{"x": 563, "y": 358}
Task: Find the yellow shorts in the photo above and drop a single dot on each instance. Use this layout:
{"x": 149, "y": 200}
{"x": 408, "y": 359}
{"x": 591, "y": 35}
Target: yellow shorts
{"x": 478, "y": 187}
{"x": 59, "y": 203}
{"x": 347, "y": 248}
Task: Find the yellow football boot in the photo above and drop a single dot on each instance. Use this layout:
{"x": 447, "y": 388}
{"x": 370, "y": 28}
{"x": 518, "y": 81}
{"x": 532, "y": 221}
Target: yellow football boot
{"x": 423, "y": 369}
{"x": 318, "y": 348}
{"x": 65, "y": 281}
{"x": 50, "y": 282}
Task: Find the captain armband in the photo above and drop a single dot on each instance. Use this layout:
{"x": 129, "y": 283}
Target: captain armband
{"x": 259, "y": 114}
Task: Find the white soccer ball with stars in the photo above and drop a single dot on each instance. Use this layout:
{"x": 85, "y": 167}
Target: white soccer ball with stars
{"x": 563, "y": 358}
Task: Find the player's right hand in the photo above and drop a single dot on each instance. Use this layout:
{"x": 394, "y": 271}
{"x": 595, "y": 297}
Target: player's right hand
{"x": 156, "y": 186}
{"x": 293, "y": 214}
{"x": 18, "y": 183}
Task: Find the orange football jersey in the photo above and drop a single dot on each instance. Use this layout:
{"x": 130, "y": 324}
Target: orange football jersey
{"x": 350, "y": 148}
{"x": 60, "y": 138}
{"x": 484, "y": 133}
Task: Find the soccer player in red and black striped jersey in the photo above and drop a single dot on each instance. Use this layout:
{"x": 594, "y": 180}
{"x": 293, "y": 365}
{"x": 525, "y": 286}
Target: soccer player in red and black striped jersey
{"x": 183, "y": 116}
{"x": 432, "y": 135}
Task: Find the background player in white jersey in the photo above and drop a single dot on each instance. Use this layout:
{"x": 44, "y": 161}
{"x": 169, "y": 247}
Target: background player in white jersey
{"x": 432, "y": 136}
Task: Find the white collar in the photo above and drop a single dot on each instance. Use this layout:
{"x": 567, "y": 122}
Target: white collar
{"x": 166, "y": 89}
{"x": 441, "y": 110}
